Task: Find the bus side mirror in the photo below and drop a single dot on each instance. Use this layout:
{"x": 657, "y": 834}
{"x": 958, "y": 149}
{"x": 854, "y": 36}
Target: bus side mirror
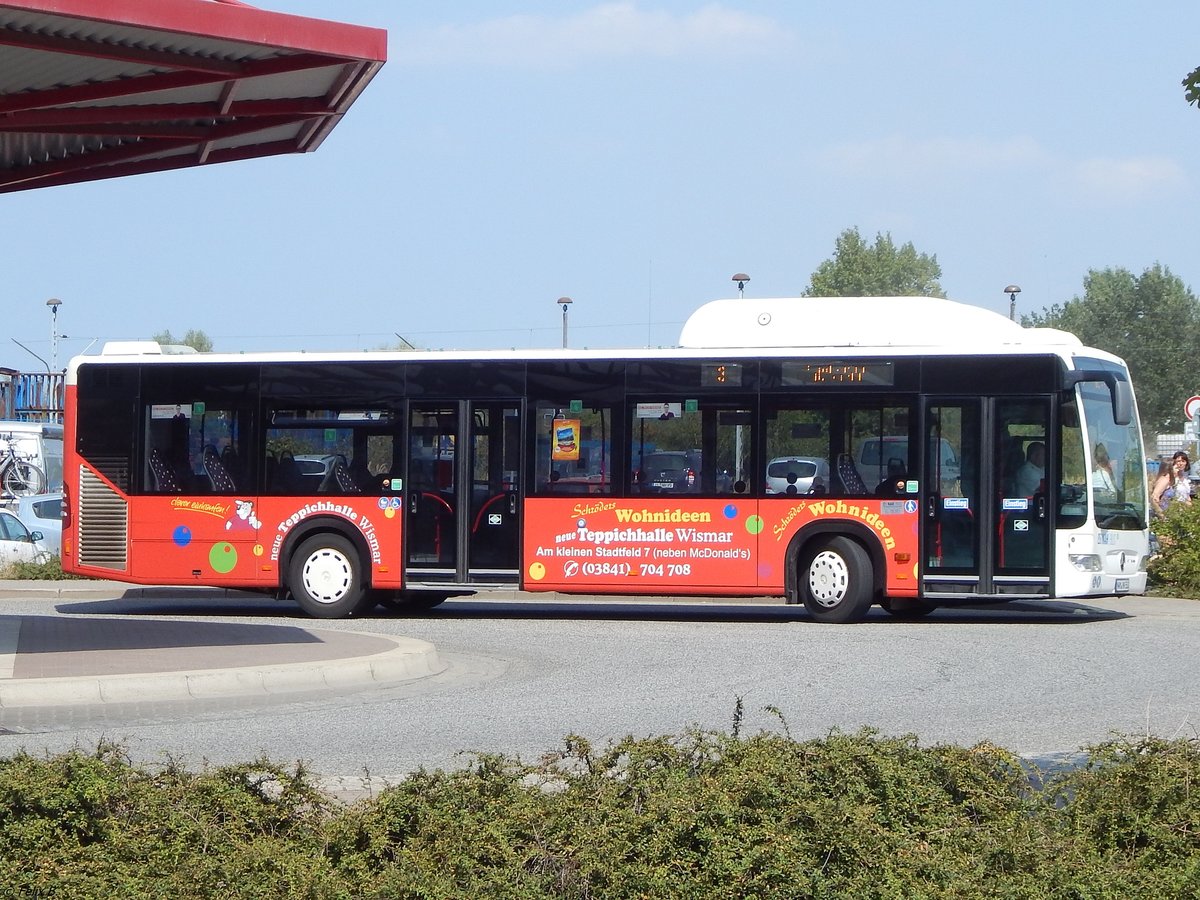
{"x": 1120, "y": 392}
{"x": 1122, "y": 402}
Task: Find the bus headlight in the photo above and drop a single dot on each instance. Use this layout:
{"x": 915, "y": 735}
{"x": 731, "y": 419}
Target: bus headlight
{"x": 1085, "y": 562}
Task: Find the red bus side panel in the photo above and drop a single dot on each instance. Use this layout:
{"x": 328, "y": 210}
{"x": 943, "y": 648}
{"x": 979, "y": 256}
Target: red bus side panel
{"x": 674, "y": 545}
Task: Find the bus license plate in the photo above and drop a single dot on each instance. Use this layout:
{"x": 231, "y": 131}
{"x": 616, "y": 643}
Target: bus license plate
{"x": 1122, "y": 585}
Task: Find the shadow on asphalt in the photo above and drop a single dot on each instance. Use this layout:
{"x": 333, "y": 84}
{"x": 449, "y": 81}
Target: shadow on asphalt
{"x": 53, "y": 634}
{"x": 1056, "y": 612}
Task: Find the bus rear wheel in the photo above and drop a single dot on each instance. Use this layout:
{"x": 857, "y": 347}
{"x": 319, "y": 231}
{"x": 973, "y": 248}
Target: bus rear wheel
{"x": 325, "y": 577}
{"x": 836, "y": 581}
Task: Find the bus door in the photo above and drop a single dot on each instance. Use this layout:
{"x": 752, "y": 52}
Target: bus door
{"x": 987, "y": 509}
{"x": 463, "y": 492}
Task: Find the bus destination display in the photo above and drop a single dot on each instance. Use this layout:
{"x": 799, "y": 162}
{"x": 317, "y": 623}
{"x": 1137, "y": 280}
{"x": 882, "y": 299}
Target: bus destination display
{"x": 818, "y": 374}
{"x": 721, "y": 375}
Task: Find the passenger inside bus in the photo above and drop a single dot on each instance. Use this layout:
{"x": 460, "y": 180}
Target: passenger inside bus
{"x": 894, "y": 482}
{"x": 1032, "y": 473}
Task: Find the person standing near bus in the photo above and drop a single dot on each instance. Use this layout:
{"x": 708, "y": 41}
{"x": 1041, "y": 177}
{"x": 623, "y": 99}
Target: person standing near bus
{"x": 1172, "y": 484}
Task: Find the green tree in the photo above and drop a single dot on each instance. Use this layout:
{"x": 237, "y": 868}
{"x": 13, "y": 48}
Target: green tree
{"x": 859, "y": 269}
{"x": 1147, "y": 320}
{"x": 1191, "y": 87}
{"x": 194, "y": 338}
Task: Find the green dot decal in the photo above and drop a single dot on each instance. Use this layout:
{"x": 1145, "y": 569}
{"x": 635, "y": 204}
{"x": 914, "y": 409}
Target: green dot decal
{"x": 222, "y": 557}
{"x": 754, "y": 524}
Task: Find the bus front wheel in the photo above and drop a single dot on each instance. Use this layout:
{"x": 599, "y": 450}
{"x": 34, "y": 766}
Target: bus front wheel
{"x": 836, "y": 581}
{"x": 325, "y": 577}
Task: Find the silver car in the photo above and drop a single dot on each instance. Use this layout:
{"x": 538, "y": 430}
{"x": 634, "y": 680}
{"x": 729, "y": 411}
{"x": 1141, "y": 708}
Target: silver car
{"x": 43, "y": 512}
{"x": 18, "y": 543}
{"x": 797, "y": 475}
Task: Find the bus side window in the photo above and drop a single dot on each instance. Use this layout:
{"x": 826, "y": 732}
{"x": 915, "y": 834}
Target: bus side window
{"x": 574, "y": 450}
{"x": 880, "y": 456}
{"x": 797, "y": 451}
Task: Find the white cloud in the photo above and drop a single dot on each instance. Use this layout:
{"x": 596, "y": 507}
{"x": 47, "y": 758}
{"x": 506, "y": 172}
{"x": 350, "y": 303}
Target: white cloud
{"x": 1128, "y": 179}
{"x": 905, "y": 157}
{"x": 1098, "y": 180}
{"x": 618, "y": 29}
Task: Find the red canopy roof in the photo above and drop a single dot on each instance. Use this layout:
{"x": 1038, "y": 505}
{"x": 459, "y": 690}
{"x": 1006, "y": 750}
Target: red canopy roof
{"x": 94, "y": 89}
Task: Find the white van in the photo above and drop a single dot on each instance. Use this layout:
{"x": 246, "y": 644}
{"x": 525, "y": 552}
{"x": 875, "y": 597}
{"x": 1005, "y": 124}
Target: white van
{"x": 40, "y": 443}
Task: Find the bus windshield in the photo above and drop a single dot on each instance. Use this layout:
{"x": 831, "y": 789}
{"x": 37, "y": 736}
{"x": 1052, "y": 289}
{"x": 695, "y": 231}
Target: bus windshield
{"x": 1117, "y": 476}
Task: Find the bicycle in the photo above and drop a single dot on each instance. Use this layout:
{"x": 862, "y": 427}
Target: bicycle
{"x": 20, "y": 476}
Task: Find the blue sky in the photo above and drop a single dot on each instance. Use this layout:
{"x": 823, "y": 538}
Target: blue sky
{"x": 634, "y": 156}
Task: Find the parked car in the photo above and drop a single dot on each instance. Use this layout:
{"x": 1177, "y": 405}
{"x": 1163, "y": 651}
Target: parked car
{"x": 43, "y": 512}
{"x": 877, "y": 456}
{"x": 797, "y": 475}
{"x": 669, "y": 472}
{"x": 18, "y": 543}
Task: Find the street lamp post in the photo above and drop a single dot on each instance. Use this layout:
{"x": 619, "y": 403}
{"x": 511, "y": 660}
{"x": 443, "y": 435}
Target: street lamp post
{"x": 54, "y": 303}
{"x": 741, "y": 278}
{"x": 565, "y": 302}
{"x": 1012, "y": 290}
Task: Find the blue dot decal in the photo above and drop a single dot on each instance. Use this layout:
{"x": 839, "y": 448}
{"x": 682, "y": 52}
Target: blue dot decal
{"x": 182, "y": 535}
{"x": 731, "y": 511}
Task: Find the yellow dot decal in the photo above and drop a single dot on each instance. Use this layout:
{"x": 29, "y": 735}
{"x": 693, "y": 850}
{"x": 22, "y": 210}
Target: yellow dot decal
{"x": 537, "y": 571}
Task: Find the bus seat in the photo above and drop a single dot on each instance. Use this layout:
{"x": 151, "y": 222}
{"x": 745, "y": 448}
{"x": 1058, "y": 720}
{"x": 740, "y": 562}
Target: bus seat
{"x": 343, "y": 480}
{"x": 851, "y": 481}
{"x": 287, "y": 475}
{"x": 164, "y": 479}
{"x": 218, "y": 476}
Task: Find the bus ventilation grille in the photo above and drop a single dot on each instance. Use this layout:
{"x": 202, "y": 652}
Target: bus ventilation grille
{"x": 103, "y": 525}
{"x": 114, "y": 468}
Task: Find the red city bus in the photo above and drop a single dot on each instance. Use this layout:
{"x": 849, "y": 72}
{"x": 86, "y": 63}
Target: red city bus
{"x": 930, "y": 454}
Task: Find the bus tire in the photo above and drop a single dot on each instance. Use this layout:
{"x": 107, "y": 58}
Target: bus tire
{"x": 325, "y": 578}
{"x": 836, "y": 581}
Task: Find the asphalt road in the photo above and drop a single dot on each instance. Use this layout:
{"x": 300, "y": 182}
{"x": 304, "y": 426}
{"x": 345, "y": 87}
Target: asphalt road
{"x": 1040, "y": 679}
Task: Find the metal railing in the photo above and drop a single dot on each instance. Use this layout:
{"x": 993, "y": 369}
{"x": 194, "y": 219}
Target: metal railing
{"x": 32, "y": 396}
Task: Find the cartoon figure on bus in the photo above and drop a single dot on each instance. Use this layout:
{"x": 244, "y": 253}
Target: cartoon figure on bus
{"x": 244, "y": 517}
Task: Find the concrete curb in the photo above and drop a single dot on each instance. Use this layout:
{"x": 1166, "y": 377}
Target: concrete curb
{"x": 408, "y": 660}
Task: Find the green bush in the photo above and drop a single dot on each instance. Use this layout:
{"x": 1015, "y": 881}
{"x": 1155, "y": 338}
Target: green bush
{"x": 92, "y": 825}
{"x": 697, "y": 815}
{"x": 1133, "y": 812}
{"x": 47, "y": 570}
{"x": 1176, "y": 568}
